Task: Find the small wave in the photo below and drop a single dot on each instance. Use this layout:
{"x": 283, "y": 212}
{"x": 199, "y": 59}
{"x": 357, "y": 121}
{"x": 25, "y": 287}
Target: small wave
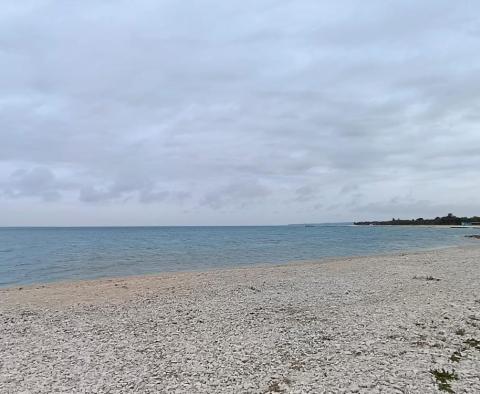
{"x": 6, "y": 250}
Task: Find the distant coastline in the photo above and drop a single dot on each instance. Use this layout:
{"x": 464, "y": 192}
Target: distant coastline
{"x": 449, "y": 220}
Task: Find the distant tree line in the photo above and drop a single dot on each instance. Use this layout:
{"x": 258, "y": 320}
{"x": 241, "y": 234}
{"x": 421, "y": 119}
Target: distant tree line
{"x": 449, "y": 220}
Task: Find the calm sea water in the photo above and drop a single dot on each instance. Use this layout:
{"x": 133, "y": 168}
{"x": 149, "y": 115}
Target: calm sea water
{"x": 32, "y": 255}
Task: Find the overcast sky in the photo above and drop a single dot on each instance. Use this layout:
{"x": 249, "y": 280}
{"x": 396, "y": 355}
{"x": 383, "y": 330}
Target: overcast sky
{"x": 154, "y": 112}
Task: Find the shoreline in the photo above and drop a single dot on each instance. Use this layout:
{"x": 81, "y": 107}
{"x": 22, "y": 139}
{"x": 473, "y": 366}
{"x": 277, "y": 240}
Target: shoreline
{"x": 321, "y": 260}
{"x": 365, "y": 324}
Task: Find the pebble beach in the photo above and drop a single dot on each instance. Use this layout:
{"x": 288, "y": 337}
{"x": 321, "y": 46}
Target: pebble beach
{"x": 398, "y": 323}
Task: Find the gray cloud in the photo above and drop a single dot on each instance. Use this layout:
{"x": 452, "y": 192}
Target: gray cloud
{"x": 239, "y": 112}
{"x": 240, "y": 193}
{"x": 38, "y": 182}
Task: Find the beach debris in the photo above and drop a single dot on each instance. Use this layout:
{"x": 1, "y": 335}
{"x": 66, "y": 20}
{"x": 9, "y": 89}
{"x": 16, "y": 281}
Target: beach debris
{"x": 460, "y": 331}
{"x": 274, "y": 387}
{"x": 472, "y": 342}
{"x": 456, "y": 356}
{"x": 429, "y": 278}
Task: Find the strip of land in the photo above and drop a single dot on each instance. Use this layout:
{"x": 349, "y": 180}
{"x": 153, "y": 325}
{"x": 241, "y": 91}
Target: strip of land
{"x": 449, "y": 220}
{"x": 403, "y": 323}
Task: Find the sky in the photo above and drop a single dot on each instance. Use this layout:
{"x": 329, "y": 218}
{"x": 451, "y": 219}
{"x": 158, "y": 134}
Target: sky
{"x": 155, "y": 112}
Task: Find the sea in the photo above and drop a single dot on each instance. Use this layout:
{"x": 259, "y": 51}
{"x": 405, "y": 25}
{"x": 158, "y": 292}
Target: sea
{"x": 48, "y": 254}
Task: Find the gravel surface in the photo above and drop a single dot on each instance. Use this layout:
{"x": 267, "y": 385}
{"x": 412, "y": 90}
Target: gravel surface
{"x": 393, "y": 324}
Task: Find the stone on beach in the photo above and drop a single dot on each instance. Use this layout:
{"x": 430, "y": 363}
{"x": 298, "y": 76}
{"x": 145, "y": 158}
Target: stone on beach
{"x": 349, "y": 325}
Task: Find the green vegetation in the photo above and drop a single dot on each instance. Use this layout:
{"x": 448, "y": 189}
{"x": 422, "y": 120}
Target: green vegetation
{"x": 449, "y": 220}
{"x": 444, "y": 379}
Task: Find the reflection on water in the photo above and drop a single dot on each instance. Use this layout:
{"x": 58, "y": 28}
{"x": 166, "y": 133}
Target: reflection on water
{"x": 29, "y": 255}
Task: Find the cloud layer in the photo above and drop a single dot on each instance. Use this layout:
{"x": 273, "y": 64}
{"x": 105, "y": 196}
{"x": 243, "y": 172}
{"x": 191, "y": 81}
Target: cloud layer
{"x": 167, "y": 112}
